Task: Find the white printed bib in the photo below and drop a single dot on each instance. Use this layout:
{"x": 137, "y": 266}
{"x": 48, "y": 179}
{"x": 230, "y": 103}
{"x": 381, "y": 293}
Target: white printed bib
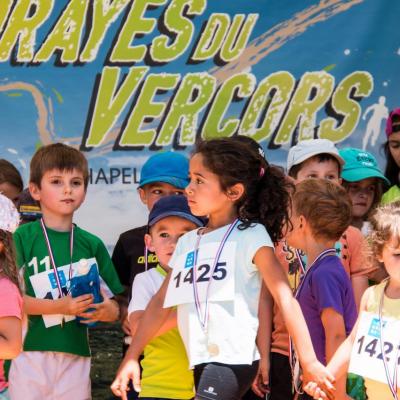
{"x": 45, "y": 287}
{"x": 366, "y": 356}
{"x": 180, "y": 288}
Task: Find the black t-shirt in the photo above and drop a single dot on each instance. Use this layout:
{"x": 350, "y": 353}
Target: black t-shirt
{"x": 129, "y": 255}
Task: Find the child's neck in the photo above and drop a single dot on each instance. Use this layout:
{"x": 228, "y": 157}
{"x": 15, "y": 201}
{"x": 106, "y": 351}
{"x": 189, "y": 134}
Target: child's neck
{"x": 393, "y": 289}
{"x": 357, "y": 222}
{"x": 314, "y": 248}
{"x": 59, "y": 223}
{"x": 218, "y": 220}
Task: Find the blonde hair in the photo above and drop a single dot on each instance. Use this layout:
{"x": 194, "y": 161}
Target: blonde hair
{"x": 8, "y": 267}
{"x": 385, "y": 224}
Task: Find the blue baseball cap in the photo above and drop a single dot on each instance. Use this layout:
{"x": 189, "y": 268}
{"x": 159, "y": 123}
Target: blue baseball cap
{"x": 169, "y": 167}
{"x": 173, "y": 206}
{"x": 360, "y": 164}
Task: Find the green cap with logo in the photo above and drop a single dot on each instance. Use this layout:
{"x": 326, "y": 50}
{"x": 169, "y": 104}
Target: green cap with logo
{"x": 360, "y": 164}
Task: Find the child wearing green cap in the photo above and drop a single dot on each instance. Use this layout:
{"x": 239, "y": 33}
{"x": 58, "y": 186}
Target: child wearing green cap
{"x": 364, "y": 183}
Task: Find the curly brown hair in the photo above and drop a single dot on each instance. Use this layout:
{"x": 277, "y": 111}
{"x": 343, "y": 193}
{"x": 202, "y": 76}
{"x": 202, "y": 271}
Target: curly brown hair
{"x": 385, "y": 225}
{"x": 266, "y": 195}
{"x": 8, "y": 267}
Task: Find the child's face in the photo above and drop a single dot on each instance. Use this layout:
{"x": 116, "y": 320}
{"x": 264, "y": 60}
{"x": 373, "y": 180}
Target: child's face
{"x": 10, "y": 191}
{"x": 150, "y": 193}
{"x": 390, "y": 257}
{"x": 362, "y": 195}
{"x": 204, "y": 192}
{"x": 394, "y": 147}
{"x": 60, "y": 192}
{"x": 313, "y": 168}
{"x": 295, "y": 235}
{"x": 164, "y": 235}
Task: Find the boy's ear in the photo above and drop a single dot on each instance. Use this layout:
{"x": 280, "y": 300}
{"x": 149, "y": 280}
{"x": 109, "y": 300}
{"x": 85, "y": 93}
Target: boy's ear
{"x": 34, "y": 191}
{"x": 148, "y": 241}
{"x": 235, "y": 192}
{"x": 1, "y": 247}
{"x": 142, "y": 195}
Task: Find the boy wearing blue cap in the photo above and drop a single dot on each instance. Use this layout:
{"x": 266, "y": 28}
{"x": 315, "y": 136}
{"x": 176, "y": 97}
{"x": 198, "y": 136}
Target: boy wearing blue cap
{"x": 166, "y": 373}
{"x": 163, "y": 174}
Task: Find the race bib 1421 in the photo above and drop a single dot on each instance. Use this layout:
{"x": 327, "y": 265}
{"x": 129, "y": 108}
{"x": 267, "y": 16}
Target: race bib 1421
{"x": 221, "y": 280}
{"x": 368, "y": 351}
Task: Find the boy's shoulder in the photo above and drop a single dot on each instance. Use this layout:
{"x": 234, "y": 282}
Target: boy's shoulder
{"x": 28, "y": 229}
{"x": 331, "y": 267}
{"x": 91, "y": 237}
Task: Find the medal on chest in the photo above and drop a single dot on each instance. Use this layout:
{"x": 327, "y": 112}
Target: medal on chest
{"x": 53, "y": 263}
{"x": 203, "y": 317}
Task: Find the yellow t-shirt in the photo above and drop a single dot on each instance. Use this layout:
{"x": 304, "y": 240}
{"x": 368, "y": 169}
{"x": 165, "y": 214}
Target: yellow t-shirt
{"x": 391, "y": 308}
{"x": 166, "y": 372}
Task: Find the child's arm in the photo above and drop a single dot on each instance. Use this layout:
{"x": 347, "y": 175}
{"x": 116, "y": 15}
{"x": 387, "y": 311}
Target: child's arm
{"x": 260, "y": 384}
{"x": 276, "y": 281}
{"x": 335, "y": 334}
{"x": 10, "y": 337}
{"x": 359, "y": 284}
{"x": 152, "y": 320}
{"x": 136, "y": 316}
{"x": 339, "y": 363}
{"x": 67, "y": 305}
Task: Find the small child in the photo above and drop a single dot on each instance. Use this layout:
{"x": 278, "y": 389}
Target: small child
{"x": 166, "y": 373}
{"x": 11, "y": 184}
{"x": 364, "y": 183}
{"x": 376, "y": 331}
{"x": 162, "y": 174}
{"x": 325, "y": 293}
{"x": 55, "y": 362}
{"x": 10, "y": 294}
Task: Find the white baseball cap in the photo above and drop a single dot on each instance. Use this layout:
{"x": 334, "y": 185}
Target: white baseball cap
{"x": 9, "y": 217}
{"x": 310, "y": 148}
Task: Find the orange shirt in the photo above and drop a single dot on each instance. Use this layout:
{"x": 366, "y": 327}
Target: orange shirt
{"x": 351, "y": 248}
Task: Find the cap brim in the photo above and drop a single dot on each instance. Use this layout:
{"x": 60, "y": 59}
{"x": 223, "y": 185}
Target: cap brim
{"x": 177, "y": 182}
{"x": 188, "y": 217}
{"x": 357, "y": 174}
{"x": 315, "y": 153}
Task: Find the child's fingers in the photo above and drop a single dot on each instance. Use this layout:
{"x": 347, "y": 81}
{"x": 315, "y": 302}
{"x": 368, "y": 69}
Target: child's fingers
{"x": 84, "y": 298}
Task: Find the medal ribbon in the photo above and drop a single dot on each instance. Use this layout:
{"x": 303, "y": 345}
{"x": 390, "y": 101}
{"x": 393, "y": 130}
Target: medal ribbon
{"x": 51, "y": 255}
{"x": 391, "y": 382}
{"x": 204, "y": 319}
{"x": 292, "y": 354}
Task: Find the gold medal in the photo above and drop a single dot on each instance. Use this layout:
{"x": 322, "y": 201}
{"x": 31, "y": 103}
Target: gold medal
{"x": 213, "y": 349}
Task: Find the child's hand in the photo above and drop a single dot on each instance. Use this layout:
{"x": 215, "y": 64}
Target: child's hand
{"x": 106, "y": 311}
{"x": 316, "y": 373}
{"x": 312, "y": 389}
{"x": 75, "y": 305}
{"x": 260, "y": 384}
{"x": 128, "y": 370}
{"x": 126, "y": 327}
